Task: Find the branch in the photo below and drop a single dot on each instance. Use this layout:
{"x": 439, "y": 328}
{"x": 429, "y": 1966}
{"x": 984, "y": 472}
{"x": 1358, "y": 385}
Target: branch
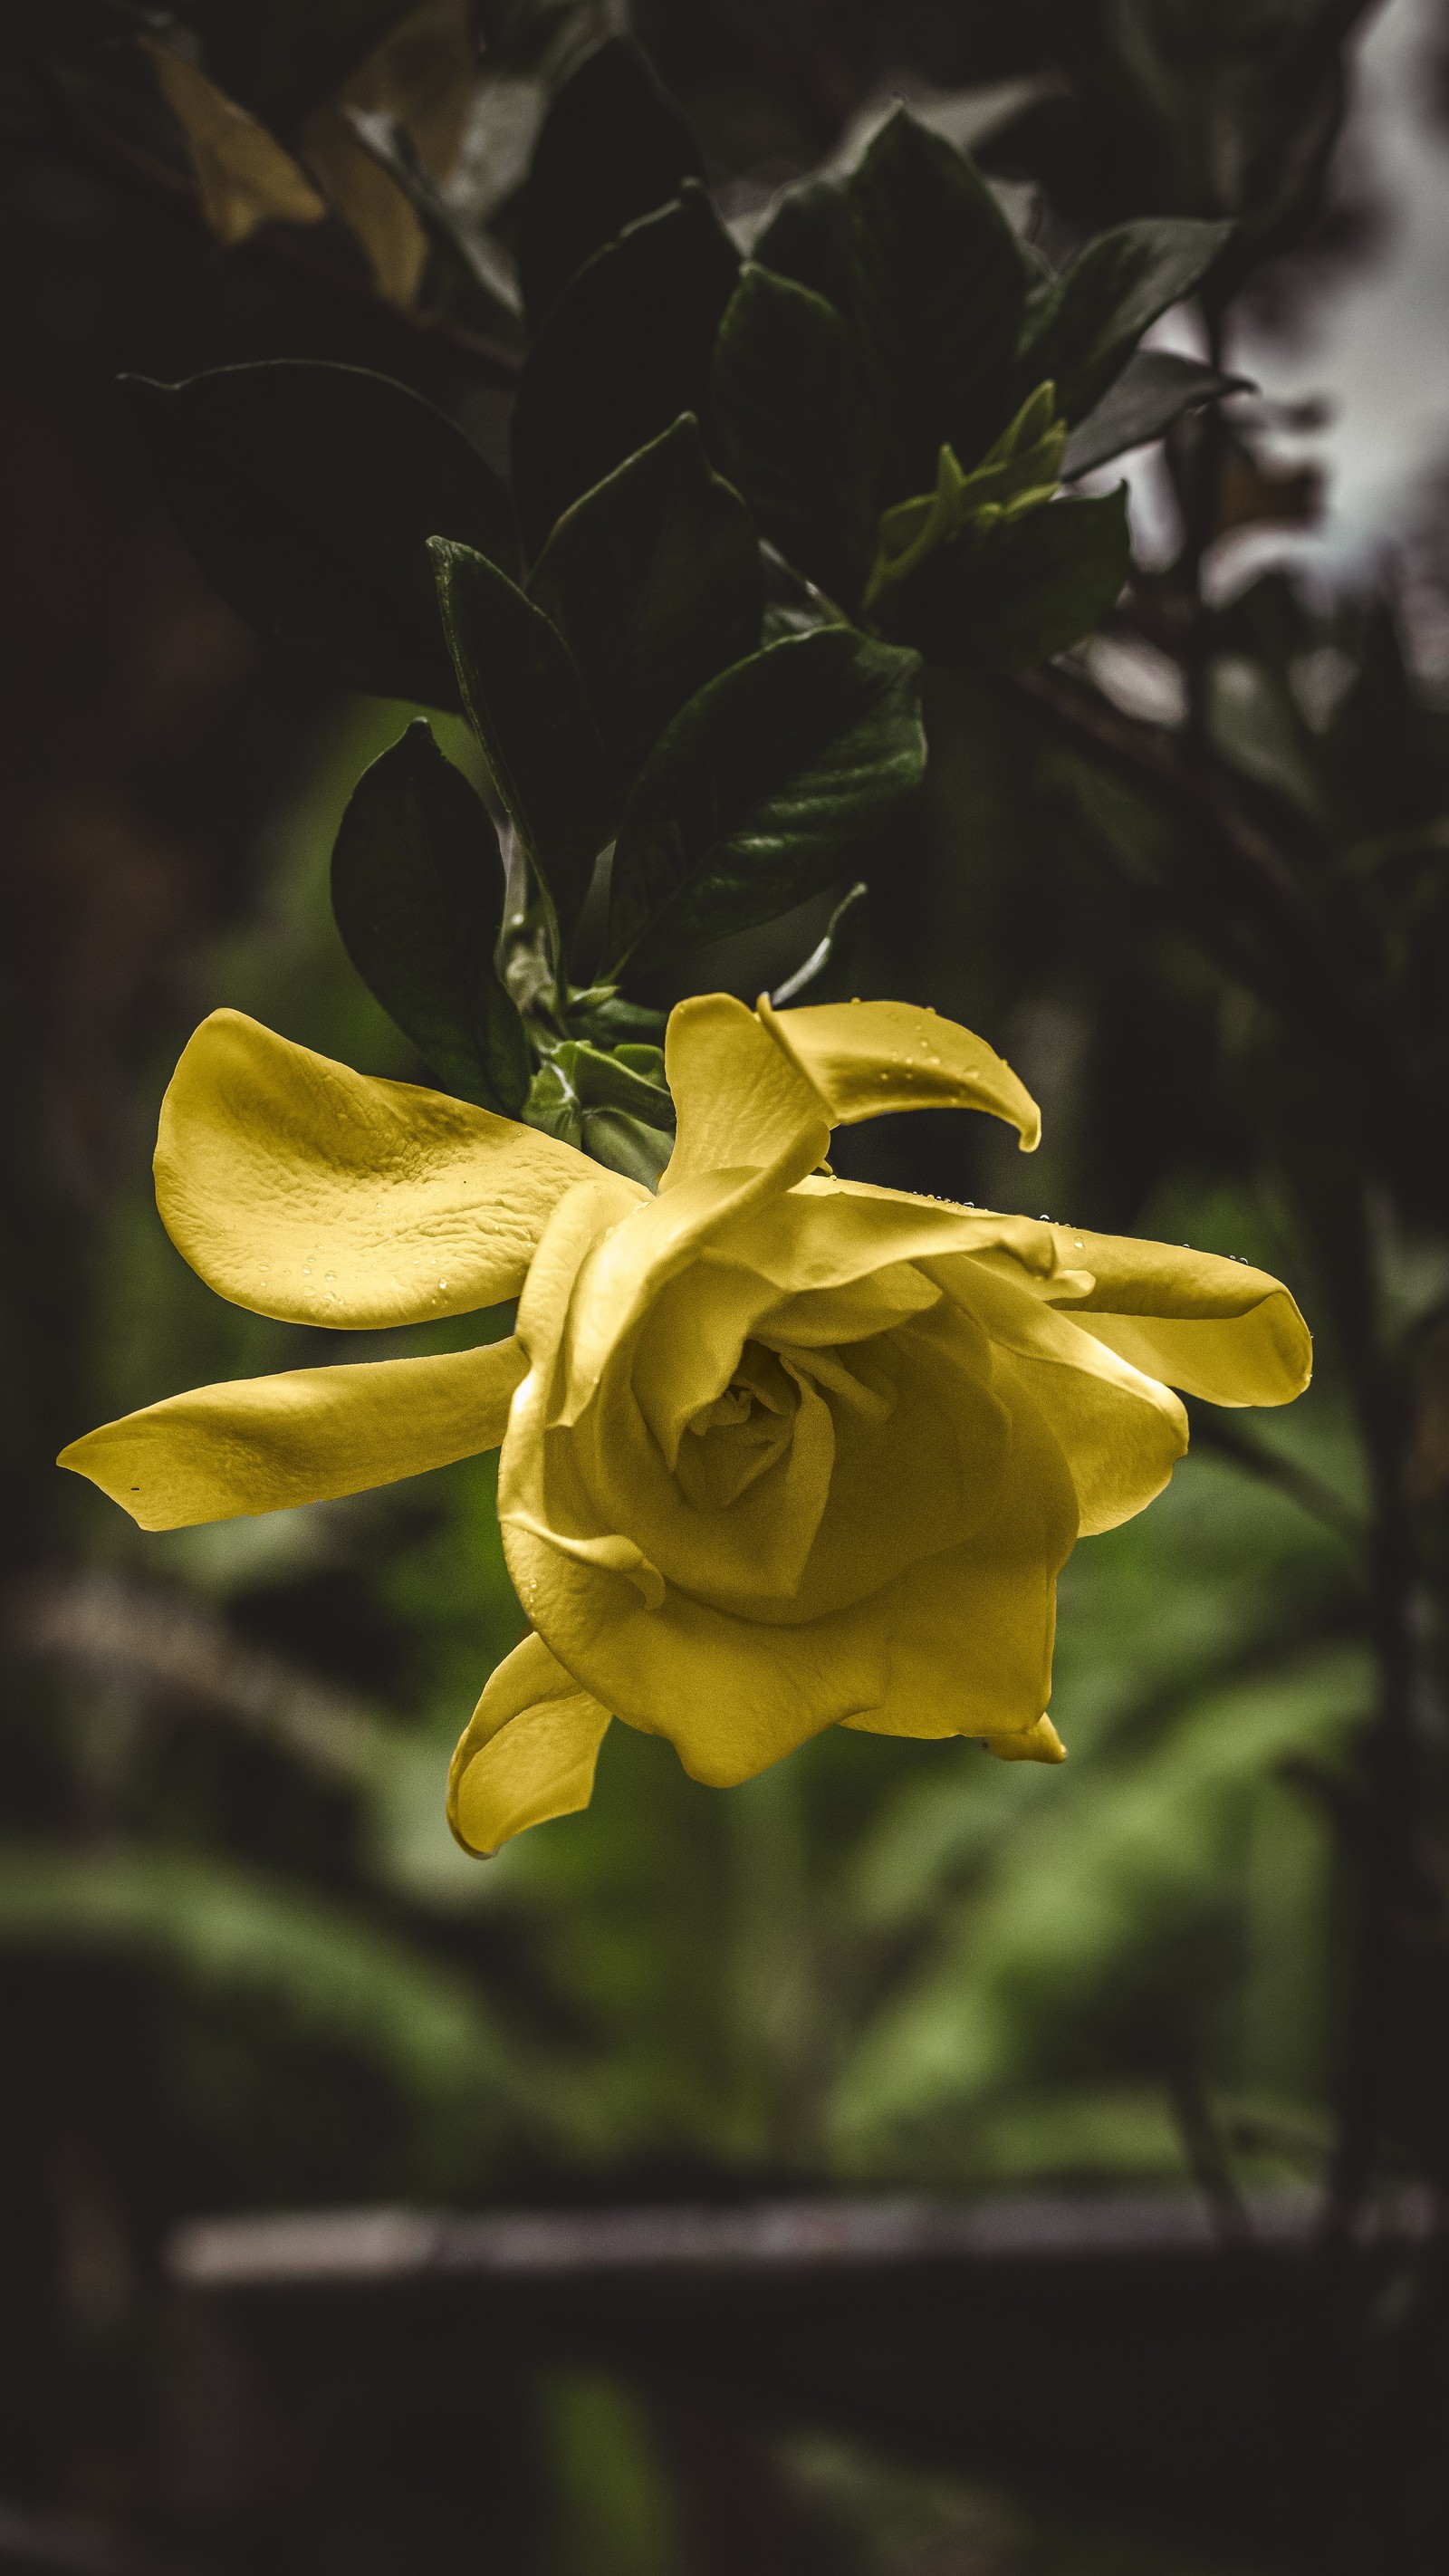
{"x": 1228, "y": 824}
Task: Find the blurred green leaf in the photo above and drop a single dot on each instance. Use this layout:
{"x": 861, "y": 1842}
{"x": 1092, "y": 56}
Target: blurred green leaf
{"x": 417, "y": 888}
{"x": 760, "y": 790}
{"x": 224, "y": 1927}
{"x": 795, "y": 427}
{"x": 653, "y": 579}
{"x": 625, "y": 350}
{"x": 1017, "y": 587}
{"x": 526, "y": 702}
{"x": 613, "y": 147}
{"x": 307, "y": 492}
{"x": 1084, "y": 327}
{"x": 1154, "y": 389}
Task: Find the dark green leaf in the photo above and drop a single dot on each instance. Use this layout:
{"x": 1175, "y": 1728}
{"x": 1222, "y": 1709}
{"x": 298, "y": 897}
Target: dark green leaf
{"x": 1088, "y": 323}
{"x": 827, "y": 972}
{"x": 808, "y": 238}
{"x": 626, "y": 349}
{"x": 604, "y": 1017}
{"x": 938, "y": 285}
{"x": 761, "y": 789}
{"x": 417, "y": 888}
{"x": 613, "y": 147}
{"x": 280, "y": 57}
{"x": 653, "y": 579}
{"x": 1154, "y": 389}
{"x": 308, "y": 492}
{"x": 630, "y": 1078}
{"x": 796, "y": 428}
{"x": 562, "y": 1102}
{"x": 1015, "y": 590}
{"x": 526, "y": 703}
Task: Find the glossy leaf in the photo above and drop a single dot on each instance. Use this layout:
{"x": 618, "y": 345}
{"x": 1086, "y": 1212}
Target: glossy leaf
{"x": 307, "y": 492}
{"x": 613, "y": 147}
{"x": 1090, "y": 320}
{"x": 626, "y": 349}
{"x": 796, "y": 427}
{"x": 1015, "y": 589}
{"x": 653, "y": 579}
{"x": 761, "y": 789}
{"x": 417, "y": 888}
{"x": 939, "y": 284}
{"x": 525, "y": 700}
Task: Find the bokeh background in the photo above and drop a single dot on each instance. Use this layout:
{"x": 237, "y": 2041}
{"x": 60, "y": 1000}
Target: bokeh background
{"x": 242, "y": 1967}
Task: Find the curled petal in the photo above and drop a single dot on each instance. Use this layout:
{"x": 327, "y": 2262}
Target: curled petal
{"x": 1218, "y": 1329}
{"x": 527, "y": 1753}
{"x": 306, "y": 1191}
{"x": 742, "y": 1104}
{"x": 264, "y": 1444}
{"x": 865, "y": 1058}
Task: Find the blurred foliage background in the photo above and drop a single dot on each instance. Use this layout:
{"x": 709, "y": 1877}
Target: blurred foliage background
{"x": 241, "y": 1964}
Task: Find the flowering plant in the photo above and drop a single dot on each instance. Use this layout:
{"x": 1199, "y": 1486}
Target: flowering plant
{"x": 780, "y": 1451}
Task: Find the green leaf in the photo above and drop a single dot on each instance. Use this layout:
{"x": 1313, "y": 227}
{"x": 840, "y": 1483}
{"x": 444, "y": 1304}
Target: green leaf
{"x": 1087, "y": 324}
{"x": 796, "y": 427}
{"x": 808, "y": 238}
{"x": 1017, "y": 587}
{"x": 526, "y": 703}
{"x": 826, "y": 972}
{"x": 761, "y": 789}
{"x": 939, "y": 285}
{"x": 307, "y": 493}
{"x": 1154, "y": 389}
{"x": 1019, "y": 473}
{"x": 654, "y": 581}
{"x": 625, "y": 350}
{"x": 592, "y": 1101}
{"x": 223, "y": 1928}
{"x": 613, "y": 147}
{"x": 607, "y": 1019}
{"x": 417, "y": 888}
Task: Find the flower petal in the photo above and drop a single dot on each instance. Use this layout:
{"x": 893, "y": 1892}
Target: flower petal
{"x": 958, "y": 1644}
{"x": 264, "y": 1444}
{"x": 1039, "y": 1743}
{"x": 527, "y": 1753}
{"x": 869, "y": 1057}
{"x": 742, "y": 1103}
{"x": 1121, "y": 1431}
{"x": 306, "y": 1191}
{"x": 1218, "y": 1329}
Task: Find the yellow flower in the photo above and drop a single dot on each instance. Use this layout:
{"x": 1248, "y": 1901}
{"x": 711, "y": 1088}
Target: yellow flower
{"x": 779, "y": 1451}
